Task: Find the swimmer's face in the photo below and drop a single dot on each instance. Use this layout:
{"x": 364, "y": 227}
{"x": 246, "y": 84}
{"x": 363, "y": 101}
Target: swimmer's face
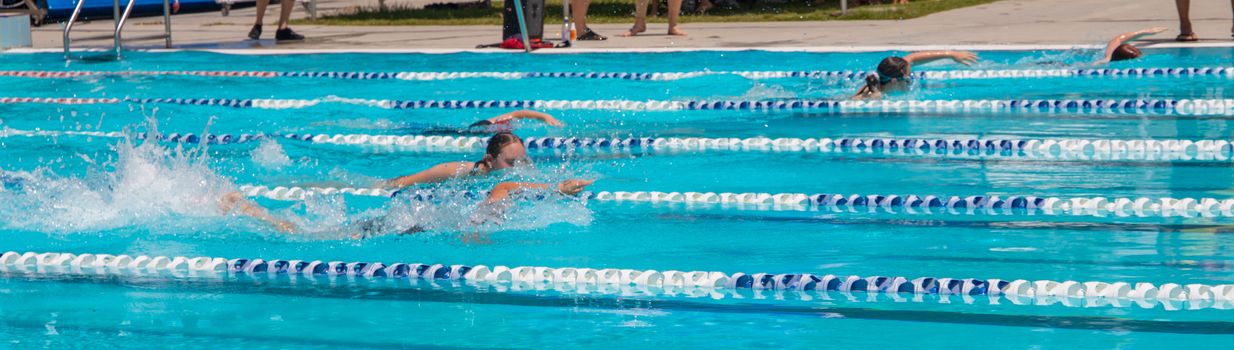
{"x": 511, "y": 155}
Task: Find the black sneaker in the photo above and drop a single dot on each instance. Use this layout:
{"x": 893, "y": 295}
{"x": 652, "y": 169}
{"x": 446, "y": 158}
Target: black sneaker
{"x": 286, "y": 34}
{"x": 255, "y": 33}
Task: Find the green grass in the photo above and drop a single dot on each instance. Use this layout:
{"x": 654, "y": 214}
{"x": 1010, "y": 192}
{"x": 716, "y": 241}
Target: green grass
{"x": 609, "y": 11}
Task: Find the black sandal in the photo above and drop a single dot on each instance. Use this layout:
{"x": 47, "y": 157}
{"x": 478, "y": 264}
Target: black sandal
{"x": 591, "y": 36}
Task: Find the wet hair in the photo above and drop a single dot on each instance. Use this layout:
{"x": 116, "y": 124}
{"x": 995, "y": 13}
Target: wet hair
{"x": 1125, "y": 52}
{"x": 891, "y": 68}
{"x": 873, "y": 82}
{"x": 500, "y": 140}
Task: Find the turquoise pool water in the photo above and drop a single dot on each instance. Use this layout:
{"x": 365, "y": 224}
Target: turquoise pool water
{"x": 103, "y": 195}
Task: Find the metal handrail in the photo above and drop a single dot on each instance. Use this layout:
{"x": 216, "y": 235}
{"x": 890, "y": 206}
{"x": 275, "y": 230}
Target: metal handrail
{"x": 119, "y": 24}
{"x": 124, "y": 19}
{"x": 69, "y": 26}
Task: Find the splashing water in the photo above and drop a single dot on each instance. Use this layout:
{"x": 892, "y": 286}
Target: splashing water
{"x": 761, "y": 91}
{"x": 270, "y": 155}
{"x": 146, "y": 185}
{"x": 155, "y": 188}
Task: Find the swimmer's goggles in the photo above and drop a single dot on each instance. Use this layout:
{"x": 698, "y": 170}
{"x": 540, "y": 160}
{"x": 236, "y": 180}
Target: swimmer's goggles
{"x": 883, "y": 79}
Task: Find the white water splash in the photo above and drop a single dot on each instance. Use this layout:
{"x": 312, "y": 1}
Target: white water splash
{"x": 269, "y": 154}
{"x": 762, "y": 91}
{"x": 146, "y": 185}
{"x": 150, "y": 187}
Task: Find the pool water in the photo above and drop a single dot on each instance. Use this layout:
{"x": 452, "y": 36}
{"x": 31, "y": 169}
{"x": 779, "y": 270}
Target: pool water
{"x": 107, "y": 195}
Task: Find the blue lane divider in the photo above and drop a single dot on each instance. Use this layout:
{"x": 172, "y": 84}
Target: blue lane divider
{"x": 925, "y": 204}
{"x": 666, "y": 76}
{"x": 1202, "y": 295}
{"x": 1123, "y": 106}
{"x": 1043, "y": 149}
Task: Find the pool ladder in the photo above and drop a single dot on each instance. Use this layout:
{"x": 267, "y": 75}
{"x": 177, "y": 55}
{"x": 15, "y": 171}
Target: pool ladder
{"x": 119, "y": 29}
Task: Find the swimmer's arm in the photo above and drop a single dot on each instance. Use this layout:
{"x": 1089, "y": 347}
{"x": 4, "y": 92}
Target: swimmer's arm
{"x": 437, "y": 173}
{"x": 503, "y": 190}
{"x": 235, "y": 201}
{"x": 527, "y": 114}
{"x": 962, "y": 57}
{"x": 1124, "y": 38}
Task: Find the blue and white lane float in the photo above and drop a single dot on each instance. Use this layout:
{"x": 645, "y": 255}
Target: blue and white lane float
{"x": 1046, "y": 149}
{"x": 1091, "y": 106}
{"x": 1219, "y": 72}
{"x": 910, "y": 204}
{"x": 1199, "y": 295}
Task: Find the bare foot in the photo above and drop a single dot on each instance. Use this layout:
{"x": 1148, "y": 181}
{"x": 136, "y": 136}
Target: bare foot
{"x": 1187, "y": 37}
{"x": 634, "y": 30}
{"x": 675, "y": 31}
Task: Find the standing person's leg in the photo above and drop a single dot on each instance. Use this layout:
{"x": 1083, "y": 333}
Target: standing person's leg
{"x": 578, "y": 10}
{"x": 284, "y": 32}
{"x": 1232, "y": 11}
{"x": 1184, "y": 21}
{"x": 255, "y": 33}
{"x": 674, "y": 11}
{"x": 640, "y": 18}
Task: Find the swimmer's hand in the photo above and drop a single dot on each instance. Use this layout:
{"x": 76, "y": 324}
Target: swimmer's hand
{"x": 966, "y": 58}
{"x": 553, "y": 122}
{"x": 574, "y": 186}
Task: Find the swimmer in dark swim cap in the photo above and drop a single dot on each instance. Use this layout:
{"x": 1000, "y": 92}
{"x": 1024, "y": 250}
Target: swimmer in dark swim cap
{"x": 895, "y": 73}
{"x": 1118, "y": 49}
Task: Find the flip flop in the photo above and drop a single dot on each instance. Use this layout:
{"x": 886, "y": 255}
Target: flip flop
{"x": 591, "y": 36}
{"x": 1186, "y": 37}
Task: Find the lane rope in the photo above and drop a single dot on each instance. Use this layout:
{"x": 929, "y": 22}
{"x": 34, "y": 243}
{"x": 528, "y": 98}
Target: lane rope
{"x": 911, "y": 204}
{"x": 1099, "y": 106}
{"x": 1199, "y": 295}
{"x": 1045, "y": 148}
{"x": 1220, "y": 72}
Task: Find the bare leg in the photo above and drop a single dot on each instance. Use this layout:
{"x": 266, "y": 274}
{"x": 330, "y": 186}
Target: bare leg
{"x": 640, "y": 18}
{"x": 1184, "y": 19}
{"x": 674, "y": 11}
{"x": 1232, "y": 10}
{"x": 288, "y": 6}
{"x": 578, "y": 12}
{"x": 255, "y": 33}
{"x": 261, "y": 10}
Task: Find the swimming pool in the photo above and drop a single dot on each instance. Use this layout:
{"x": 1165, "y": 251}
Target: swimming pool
{"x": 1010, "y": 185}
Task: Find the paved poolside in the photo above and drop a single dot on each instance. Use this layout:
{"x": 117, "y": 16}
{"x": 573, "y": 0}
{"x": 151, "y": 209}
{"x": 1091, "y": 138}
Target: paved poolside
{"x": 1024, "y": 22}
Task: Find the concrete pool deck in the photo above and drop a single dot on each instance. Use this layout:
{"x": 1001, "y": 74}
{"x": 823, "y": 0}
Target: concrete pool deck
{"x": 1006, "y": 22}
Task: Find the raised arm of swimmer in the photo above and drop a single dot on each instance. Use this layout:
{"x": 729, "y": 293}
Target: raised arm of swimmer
{"x": 895, "y": 73}
{"x": 527, "y": 114}
{"x": 962, "y": 57}
{"x": 1118, "y": 49}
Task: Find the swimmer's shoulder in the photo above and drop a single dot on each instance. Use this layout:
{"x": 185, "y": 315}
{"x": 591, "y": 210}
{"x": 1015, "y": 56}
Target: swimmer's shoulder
{"x": 458, "y": 168}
